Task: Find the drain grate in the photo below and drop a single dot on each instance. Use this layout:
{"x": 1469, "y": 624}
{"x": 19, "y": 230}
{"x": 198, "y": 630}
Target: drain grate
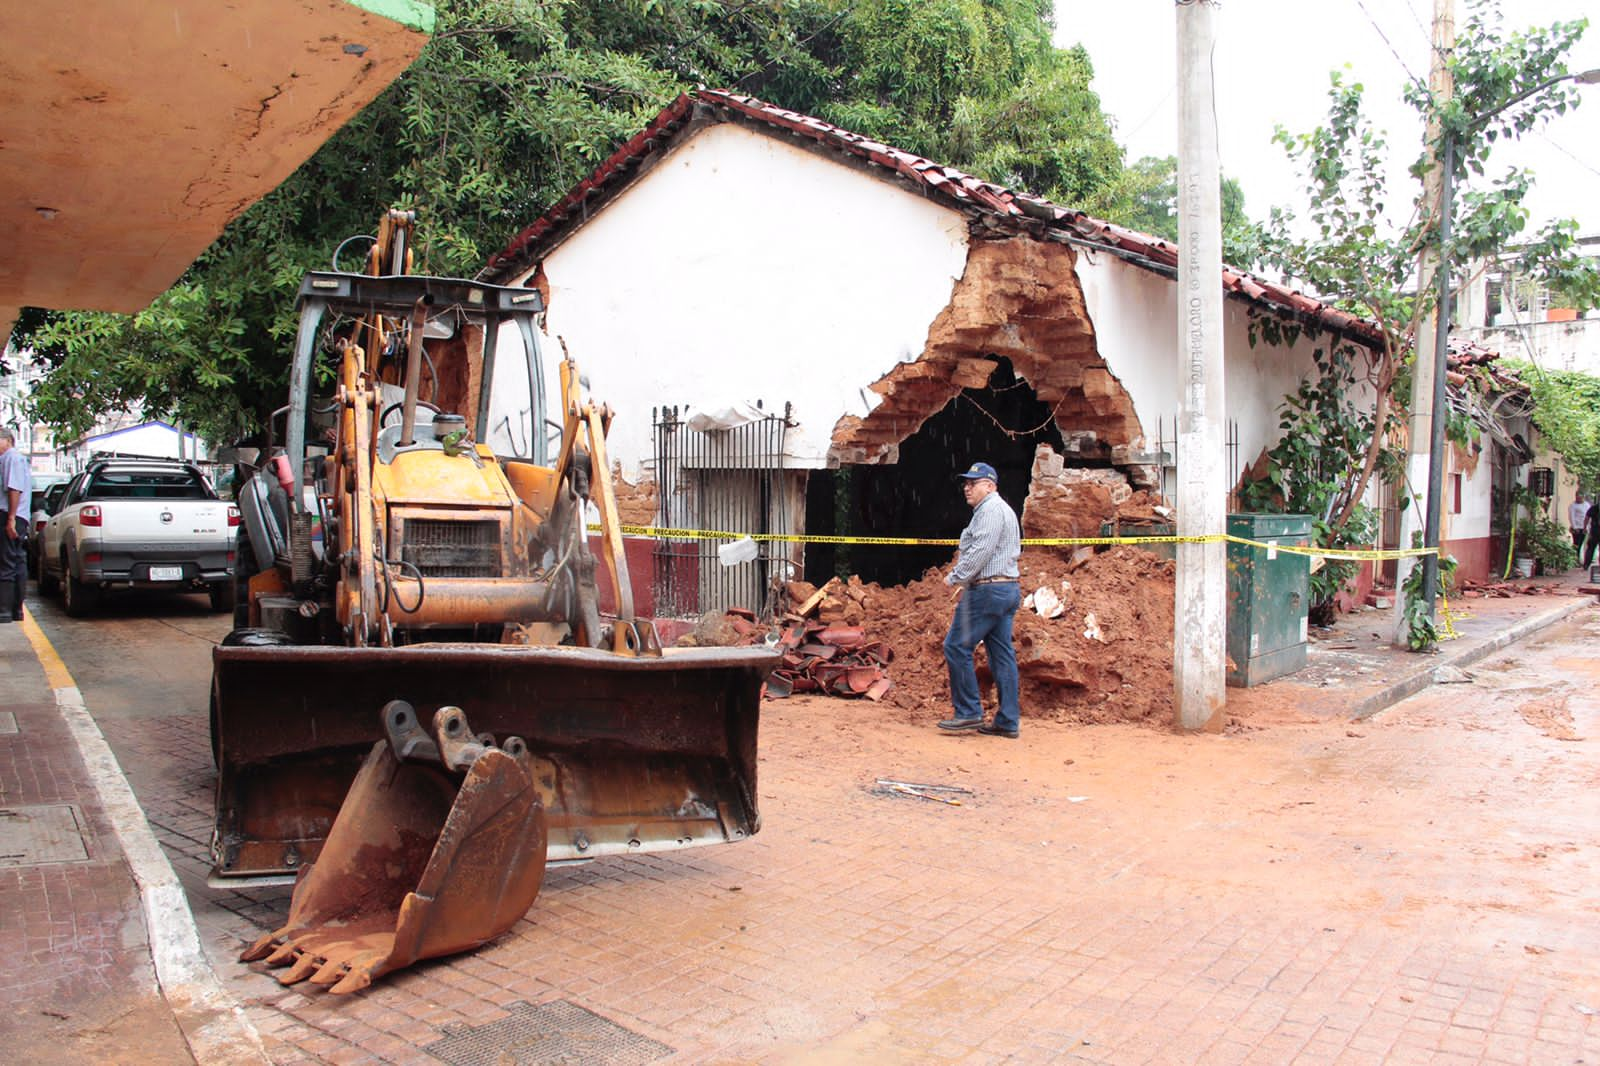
{"x": 31, "y": 836}
{"x": 558, "y": 1032}
{"x": 8, "y": 722}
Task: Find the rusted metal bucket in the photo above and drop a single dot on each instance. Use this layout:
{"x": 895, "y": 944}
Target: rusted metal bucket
{"x": 627, "y": 754}
{"x": 439, "y": 847}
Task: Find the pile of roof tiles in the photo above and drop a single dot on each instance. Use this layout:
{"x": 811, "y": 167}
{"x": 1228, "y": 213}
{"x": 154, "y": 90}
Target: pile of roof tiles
{"x": 828, "y": 658}
{"x": 1506, "y": 589}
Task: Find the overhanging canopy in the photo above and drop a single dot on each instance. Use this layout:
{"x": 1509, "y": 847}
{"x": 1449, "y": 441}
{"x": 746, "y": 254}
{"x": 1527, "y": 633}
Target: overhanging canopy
{"x": 132, "y": 133}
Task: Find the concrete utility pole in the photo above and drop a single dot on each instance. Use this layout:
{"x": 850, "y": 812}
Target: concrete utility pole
{"x": 1420, "y": 435}
{"x": 1200, "y": 639}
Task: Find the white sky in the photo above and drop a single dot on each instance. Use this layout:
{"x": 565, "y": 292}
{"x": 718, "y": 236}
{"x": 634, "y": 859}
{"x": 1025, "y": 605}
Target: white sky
{"x": 1273, "y": 62}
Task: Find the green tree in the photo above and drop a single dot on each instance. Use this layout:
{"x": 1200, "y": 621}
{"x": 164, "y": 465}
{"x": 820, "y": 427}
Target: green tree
{"x": 1566, "y": 410}
{"x": 1146, "y": 199}
{"x": 514, "y": 101}
{"x": 1359, "y": 255}
{"x": 975, "y": 84}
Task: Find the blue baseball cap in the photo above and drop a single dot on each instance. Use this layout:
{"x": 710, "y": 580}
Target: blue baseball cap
{"x": 979, "y": 471}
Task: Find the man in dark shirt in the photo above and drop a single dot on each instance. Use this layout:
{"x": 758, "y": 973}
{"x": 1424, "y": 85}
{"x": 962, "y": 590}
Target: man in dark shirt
{"x": 1591, "y": 528}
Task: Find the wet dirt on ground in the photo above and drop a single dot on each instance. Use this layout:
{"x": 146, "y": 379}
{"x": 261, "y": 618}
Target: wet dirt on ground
{"x": 1418, "y": 887}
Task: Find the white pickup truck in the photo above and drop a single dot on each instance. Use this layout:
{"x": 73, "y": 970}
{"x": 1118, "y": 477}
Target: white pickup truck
{"x": 139, "y": 523}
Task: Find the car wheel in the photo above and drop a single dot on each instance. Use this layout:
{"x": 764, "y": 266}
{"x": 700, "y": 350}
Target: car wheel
{"x": 78, "y": 597}
{"x": 49, "y": 584}
{"x": 244, "y": 565}
{"x": 221, "y": 593}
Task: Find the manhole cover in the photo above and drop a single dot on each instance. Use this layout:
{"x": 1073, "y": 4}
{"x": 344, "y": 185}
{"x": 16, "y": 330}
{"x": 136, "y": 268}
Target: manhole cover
{"x": 550, "y": 1033}
{"x": 30, "y": 836}
{"x": 8, "y": 722}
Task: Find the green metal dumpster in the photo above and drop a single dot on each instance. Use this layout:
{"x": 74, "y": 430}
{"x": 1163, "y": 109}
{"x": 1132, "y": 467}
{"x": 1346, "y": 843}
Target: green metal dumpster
{"x": 1269, "y": 593}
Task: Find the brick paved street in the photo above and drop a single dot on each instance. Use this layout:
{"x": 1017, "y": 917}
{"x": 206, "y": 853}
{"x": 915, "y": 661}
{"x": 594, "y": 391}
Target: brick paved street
{"x": 1421, "y": 887}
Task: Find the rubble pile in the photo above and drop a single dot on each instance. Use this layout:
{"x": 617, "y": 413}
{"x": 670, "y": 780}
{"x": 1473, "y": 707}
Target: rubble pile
{"x": 838, "y": 660}
{"x": 1093, "y": 638}
{"x": 1471, "y": 590}
{"x": 1093, "y": 641}
{"x": 1067, "y": 501}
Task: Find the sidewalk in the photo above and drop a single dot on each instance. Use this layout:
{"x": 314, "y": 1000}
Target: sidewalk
{"x": 1354, "y": 670}
{"x": 742, "y": 951}
{"x": 101, "y": 962}
{"x": 77, "y": 970}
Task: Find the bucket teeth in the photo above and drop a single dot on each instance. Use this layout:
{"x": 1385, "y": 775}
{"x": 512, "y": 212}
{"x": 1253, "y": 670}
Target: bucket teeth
{"x": 331, "y": 971}
{"x": 427, "y": 857}
{"x": 263, "y": 947}
{"x": 358, "y": 978}
{"x": 356, "y": 973}
{"x": 332, "y": 957}
{"x": 299, "y": 971}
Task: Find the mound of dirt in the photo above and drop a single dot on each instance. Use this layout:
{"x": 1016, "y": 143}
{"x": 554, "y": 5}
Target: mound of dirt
{"x": 1107, "y": 656}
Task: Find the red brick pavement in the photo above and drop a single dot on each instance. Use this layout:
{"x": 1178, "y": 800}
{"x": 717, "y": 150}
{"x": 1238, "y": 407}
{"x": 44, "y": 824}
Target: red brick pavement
{"x": 75, "y": 971}
{"x": 1421, "y": 887}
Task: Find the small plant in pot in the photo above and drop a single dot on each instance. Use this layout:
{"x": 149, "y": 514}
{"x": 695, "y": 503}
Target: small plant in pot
{"x": 1550, "y": 545}
{"x": 1535, "y": 535}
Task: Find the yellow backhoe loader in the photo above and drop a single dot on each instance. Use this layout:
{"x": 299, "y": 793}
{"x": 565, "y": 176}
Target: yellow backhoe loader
{"x": 415, "y": 554}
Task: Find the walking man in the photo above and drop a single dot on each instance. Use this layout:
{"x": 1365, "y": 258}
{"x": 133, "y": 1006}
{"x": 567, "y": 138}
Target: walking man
{"x": 16, "y": 482}
{"x": 986, "y": 574}
{"x": 1591, "y": 527}
{"x": 1575, "y": 516}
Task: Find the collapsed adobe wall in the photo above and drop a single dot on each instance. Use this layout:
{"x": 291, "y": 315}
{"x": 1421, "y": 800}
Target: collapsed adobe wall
{"x": 1019, "y": 298}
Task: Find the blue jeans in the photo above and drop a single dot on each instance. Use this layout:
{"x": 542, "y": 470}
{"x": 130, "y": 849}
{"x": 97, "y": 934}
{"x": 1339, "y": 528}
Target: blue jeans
{"x": 984, "y": 615}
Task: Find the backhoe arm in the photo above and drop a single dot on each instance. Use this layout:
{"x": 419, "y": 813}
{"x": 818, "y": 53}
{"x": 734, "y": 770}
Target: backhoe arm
{"x": 583, "y": 435}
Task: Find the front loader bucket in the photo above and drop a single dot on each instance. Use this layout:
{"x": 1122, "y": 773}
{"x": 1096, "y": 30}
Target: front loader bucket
{"x": 628, "y": 754}
{"x": 438, "y": 848}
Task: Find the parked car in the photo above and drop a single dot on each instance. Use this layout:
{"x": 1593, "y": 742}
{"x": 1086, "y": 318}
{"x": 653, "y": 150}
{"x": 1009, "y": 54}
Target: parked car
{"x": 44, "y": 504}
{"x": 129, "y": 522}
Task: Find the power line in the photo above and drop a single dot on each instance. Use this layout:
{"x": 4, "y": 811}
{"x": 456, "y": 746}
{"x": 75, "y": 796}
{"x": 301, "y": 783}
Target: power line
{"x": 1421, "y": 26}
{"x": 1590, "y": 167}
{"x": 1154, "y": 111}
{"x": 1385, "y": 38}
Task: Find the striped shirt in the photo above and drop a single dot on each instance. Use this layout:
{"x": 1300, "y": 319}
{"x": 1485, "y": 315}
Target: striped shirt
{"x": 990, "y": 544}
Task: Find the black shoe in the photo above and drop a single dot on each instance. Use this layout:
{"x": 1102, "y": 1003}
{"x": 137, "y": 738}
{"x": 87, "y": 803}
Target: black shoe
{"x": 995, "y": 731}
{"x": 961, "y": 725}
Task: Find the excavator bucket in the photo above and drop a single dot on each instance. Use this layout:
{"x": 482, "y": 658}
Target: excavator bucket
{"x": 438, "y": 848}
{"x": 627, "y": 754}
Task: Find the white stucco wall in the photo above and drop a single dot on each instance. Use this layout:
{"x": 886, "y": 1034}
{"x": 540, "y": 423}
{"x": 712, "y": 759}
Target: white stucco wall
{"x": 147, "y": 438}
{"x": 1552, "y": 345}
{"x": 1477, "y": 492}
{"x": 1135, "y": 318}
{"x": 744, "y": 268}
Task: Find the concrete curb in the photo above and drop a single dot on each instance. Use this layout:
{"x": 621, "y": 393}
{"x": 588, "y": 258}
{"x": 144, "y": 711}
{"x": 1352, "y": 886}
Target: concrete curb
{"x": 214, "y": 1026}
{"x": 1415, "y": 683}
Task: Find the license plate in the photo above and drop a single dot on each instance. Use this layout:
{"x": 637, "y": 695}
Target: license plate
{"x": 166, "y": 573}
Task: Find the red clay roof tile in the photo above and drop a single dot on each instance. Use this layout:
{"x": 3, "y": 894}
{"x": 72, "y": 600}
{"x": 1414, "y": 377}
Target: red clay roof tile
{"x": 1033, "y": 214}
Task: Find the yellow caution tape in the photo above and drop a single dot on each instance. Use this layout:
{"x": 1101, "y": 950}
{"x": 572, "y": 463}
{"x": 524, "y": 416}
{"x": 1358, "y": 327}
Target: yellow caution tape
{"x": 1447, "y": 617}
{"x": 1351, "y": 554}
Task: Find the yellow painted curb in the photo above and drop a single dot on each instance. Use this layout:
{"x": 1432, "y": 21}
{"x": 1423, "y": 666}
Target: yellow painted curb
{"x": 55, "y": 671}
